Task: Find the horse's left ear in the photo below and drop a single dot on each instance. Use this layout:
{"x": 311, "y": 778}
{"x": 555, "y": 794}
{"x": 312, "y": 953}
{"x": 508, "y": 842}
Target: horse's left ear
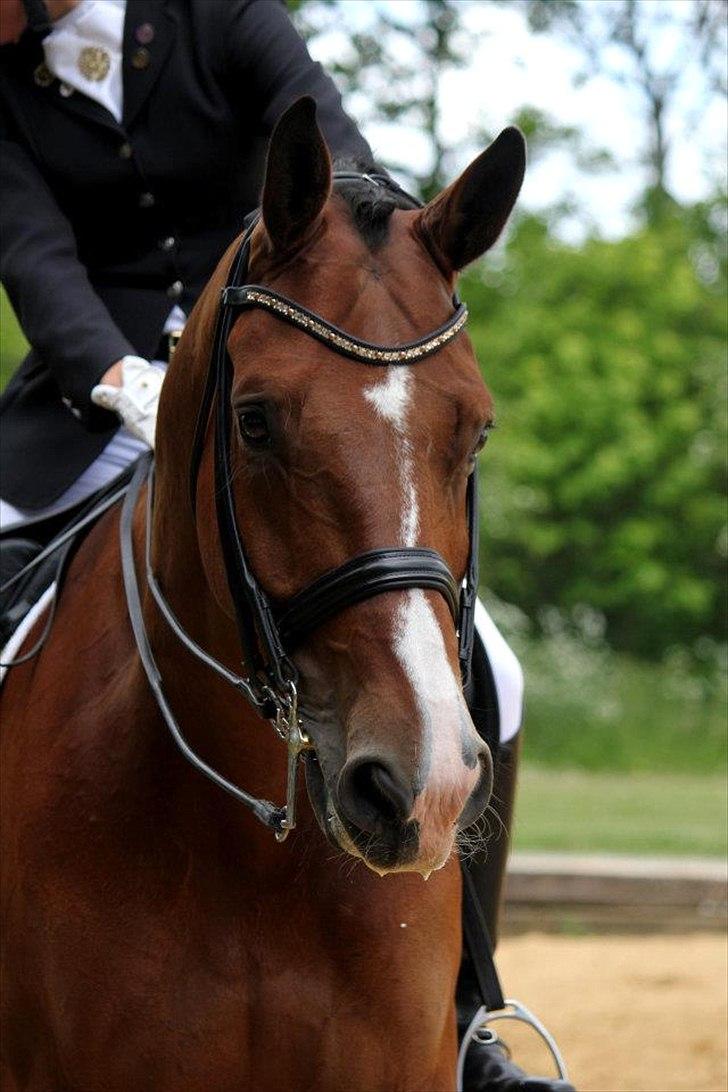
{"x": 465, "y": 220}
{"x": 297, "y": 176}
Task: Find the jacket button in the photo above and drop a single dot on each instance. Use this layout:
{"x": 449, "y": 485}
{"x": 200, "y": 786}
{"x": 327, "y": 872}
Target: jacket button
{"x": 125, "y": 151}
{"x": 144, "y": 33}
{"x": 175, "y": 290}
{"x": 146, "y": 200}
{"x": 169, "y": 243}
{"x": 42, "y": 76}
{"x": 140, "y": 59}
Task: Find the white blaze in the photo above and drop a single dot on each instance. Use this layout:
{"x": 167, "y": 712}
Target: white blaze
{"x": 391, "y": 399}
{"x": 418, "y": 640}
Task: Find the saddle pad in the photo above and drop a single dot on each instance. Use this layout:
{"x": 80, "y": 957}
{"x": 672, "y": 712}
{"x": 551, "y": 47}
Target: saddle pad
{"x": 14, "y": 645}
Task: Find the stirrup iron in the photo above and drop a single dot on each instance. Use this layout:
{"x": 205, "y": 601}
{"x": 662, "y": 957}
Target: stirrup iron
{"x": 512, "y": 1010}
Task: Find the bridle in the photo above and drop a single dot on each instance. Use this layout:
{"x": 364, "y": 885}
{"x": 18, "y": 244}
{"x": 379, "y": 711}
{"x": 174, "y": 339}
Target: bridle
{"x": 269, "y": 633}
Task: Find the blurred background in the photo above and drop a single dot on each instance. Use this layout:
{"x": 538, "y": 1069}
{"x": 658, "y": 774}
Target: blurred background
{"x": 600, "y": 324}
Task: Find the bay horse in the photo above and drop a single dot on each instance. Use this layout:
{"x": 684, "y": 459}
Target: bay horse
{"x": 155, "y": 936}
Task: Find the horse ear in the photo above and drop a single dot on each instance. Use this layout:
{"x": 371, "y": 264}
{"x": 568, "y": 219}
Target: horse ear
{"x": 465, "y": 220}
{"x": 297, "y": 175}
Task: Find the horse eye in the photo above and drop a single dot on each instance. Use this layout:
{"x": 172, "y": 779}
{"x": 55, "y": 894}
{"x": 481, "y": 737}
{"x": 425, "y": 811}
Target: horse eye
{"x": 482, "y": 439}
{"x": 253, "y": 426}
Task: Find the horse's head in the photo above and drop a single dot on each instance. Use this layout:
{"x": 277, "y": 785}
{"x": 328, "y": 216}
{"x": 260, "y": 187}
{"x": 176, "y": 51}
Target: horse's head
{"x": 334, "y": 457}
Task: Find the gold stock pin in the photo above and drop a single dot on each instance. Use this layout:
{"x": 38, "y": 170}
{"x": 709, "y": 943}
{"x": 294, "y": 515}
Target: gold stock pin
{"x": 94, "y": 63}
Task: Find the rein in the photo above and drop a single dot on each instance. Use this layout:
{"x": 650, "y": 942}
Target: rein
{"x": 267, "y": 634}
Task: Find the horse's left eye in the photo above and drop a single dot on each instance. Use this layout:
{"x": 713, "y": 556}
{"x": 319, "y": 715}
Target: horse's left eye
{"x": 253, "y": 425}
{"x": 482, "y": 439}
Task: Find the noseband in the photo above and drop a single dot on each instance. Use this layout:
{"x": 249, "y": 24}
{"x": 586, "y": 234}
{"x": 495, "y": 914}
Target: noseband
{"x": 268, "y": 634}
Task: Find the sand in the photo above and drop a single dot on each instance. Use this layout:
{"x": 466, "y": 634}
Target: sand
{"x": 630, "y": 1013}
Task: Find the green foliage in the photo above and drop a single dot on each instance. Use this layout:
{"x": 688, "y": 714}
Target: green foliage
{"x": 592, "y": 708}
{"x": 604, "y": 488}
{"x": 13, "y": 345}
{"x": 543, "y": 134}
{"x": 666, "y": 53}
{"x": 391, "y": 64}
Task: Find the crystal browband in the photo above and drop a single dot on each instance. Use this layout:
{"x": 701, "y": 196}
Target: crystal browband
{"x": 365, "y": 351}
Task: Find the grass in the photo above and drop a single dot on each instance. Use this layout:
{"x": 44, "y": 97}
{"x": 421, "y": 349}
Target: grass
{"x": 585, "y": 812}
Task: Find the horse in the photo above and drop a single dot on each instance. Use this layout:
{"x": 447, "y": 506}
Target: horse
{"x": 156, "y": 936}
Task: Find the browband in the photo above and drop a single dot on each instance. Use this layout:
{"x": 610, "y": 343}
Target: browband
{"x": 254, "y": 295}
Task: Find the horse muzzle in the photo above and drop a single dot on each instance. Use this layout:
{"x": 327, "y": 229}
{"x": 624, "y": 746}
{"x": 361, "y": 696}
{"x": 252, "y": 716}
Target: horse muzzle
{"x": 373, "y": 811}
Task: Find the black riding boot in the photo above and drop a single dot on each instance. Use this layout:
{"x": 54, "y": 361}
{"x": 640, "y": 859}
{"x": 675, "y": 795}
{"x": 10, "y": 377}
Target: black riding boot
{"x": 17, "y": 548}
{"x": 17, "y": 600}
{"x": 488, "y": 1067}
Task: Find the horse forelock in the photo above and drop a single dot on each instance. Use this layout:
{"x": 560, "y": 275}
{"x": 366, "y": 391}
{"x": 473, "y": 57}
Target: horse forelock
{"x": 371, "y": 204}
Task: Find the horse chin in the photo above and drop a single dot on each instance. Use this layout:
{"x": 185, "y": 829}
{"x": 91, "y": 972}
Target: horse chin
{"x": 382, "y": 858}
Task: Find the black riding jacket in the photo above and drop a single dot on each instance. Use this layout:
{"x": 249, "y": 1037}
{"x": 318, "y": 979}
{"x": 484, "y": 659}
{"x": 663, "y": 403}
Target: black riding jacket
{"x": 104, "y": 226}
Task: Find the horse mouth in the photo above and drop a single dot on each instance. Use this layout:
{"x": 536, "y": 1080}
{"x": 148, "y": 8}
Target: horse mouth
{"x": 393, "y": 850}
{"x": 319, "y": 796}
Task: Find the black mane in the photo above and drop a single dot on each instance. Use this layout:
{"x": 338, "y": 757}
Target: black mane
{"x": 371, "y": 203}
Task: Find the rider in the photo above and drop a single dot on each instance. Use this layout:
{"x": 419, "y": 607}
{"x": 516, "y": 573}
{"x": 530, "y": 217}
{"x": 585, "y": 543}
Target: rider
{"x": 116, "y": 118}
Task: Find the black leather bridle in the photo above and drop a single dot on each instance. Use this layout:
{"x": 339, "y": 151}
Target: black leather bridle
{"x": 269, "y": 634}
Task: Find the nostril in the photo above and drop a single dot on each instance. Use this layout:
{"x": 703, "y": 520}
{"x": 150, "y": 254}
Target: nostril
{"x": 372, "y": 795}
{"x": 373, "y": 783}
{"x": 487, "y": 772}
{"x": 479, "y": 797}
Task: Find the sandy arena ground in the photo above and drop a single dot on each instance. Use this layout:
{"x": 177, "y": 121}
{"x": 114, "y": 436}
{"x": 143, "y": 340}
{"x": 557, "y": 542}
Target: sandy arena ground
{"x": 631, "y": 1013}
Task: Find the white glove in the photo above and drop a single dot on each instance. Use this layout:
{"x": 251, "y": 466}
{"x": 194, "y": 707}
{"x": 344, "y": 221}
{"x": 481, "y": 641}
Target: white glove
{"x": 137, "y": 398}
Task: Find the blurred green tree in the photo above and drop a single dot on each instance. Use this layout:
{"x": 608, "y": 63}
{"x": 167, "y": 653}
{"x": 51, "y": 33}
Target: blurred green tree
{"x": 13, "y": 345}
{"x": 605, "y": 497}
{"x": 604, "y": 492}
{"x": 391, "y": 65}
{"x": 394, "y": 65}
{"x": 657, "y": 49}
